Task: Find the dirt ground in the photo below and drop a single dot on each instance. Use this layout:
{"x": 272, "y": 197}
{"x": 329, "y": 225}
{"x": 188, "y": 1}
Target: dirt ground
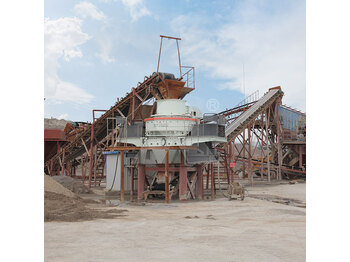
{"x": 256, "y": 229}
{"x": 61, "y": 204}
{"x": 58, "y": 207}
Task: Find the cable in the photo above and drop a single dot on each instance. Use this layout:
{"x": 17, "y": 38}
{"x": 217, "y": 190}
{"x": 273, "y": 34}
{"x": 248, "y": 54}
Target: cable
{"x": 115, "y": 173}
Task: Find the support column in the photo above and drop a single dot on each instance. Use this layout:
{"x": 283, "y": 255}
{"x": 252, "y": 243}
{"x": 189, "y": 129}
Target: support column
{"x": 212, "y": 181}
{"x": 68, "y": 169}
{"x": 131, "y": 180}
{"x": 140, "y": 181}
{"x": 279, "y": 147}
{"x": 300, "y": 156}
{"x": 199, "y": 182}
{"x": 58, "y": 146}
{"x": 122, "y": 176}
{"x": 133, "y": 104}
{"x": 207, "y": 171}
{"x": 167, "y": 195}
{"x": 183, "y": 183}
{"x": 113, "y": 129}
{"x": 82, "y": 169}
{"x": 230, "y": 150}
{"x": 91, "y": 154}
{"x": 250, "y": 169}
{"x": 51, "y": 167}
{"x": 267, "y": 145}
{"x": 62, "y": 171}
{"x": 262, "y": 155}
{"x": 95, "y": 164}
{"x": 183, "y": 178}
{"x": 244, "y": 149}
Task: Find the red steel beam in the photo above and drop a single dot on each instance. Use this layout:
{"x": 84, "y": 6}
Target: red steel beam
{"x": 91, "y": 154}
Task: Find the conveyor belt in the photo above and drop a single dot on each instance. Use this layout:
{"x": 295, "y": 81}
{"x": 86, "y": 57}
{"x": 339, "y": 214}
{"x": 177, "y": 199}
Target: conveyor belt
{"x": 241, "y": 122}
{"x": 75, "y": 148}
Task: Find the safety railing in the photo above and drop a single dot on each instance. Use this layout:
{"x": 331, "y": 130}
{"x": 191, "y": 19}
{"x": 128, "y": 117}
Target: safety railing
{"x": 188, "y": 76}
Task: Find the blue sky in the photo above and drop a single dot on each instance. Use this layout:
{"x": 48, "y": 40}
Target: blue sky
{"x": 96, "y": 51}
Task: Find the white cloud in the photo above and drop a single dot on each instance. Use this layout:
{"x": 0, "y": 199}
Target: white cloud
{"x": 63, "y": 116}
{"x": 86, "y": 9}
{"x": 272, "y": 48}
{"x": 136, "y": 8}
{"x": 63, "y": 37}
{"x": 106, "y": 46}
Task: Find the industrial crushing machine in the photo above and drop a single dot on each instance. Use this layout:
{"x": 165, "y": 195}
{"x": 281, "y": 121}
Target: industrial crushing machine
{"x": 173, "y": 127}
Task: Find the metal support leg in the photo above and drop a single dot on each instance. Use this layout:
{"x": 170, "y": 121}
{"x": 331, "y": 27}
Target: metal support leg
{"x": 183, "y": 178}
{"x": 279, "y": 146}
{"x": 262, "y": 147}
{"x": 244, "y": 149}
{"x": 207, "y": 181}
{"x": 199, "y": 182}
{"x": 300, "y": 156}
{"x": 140, "y": 181}
{"x": 62, "y": 171}
{"x": 212, "y": 181}
{"x": 91, "y": 154}
{"x": 250, "y": 169}
{"x": 51, "y": 167}
{"x": 82, "y": 169}
{"x": 267, "y": 146}
{"x": 230, "y": 150}
{"x": 133, "y": 104}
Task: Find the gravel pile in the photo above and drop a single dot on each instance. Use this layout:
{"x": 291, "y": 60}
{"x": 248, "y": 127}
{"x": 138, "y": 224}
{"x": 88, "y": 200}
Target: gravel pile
{"x": 71, "y": 184}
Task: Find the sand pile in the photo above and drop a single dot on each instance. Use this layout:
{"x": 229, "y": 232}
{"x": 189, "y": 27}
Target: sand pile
{"x": 63, "y": 205}
{"x": 71, "y": 184}
{"x": 50, "y": 185}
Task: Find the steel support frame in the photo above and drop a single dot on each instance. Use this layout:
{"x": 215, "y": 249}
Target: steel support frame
{"x": 264, "y": 132}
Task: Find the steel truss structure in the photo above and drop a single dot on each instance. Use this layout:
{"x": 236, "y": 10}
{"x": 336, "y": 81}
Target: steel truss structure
{"x": 87, "y": 146}
{"x": 258, "y": 147}
{"x": 263, "y": 148}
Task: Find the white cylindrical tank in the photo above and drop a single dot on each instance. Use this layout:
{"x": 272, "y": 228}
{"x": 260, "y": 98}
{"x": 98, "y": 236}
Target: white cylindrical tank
{"x": 173, "y": 118}
{"x": 172, "y": 107}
